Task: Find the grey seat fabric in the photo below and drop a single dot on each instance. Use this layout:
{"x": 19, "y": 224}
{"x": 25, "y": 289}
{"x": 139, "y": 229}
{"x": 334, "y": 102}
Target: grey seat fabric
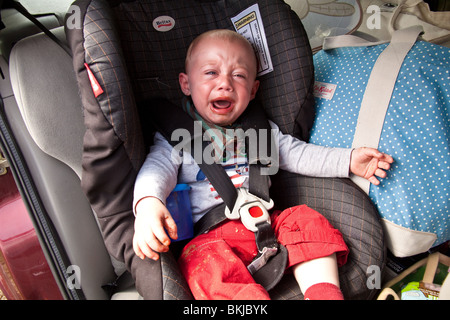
{"x": 48, "y": 123}
{"x": 43, "y": 82}
{"x": 349, "y": 210}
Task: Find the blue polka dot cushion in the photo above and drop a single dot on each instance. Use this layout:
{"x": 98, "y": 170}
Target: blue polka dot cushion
{"x": 413, "y": 200}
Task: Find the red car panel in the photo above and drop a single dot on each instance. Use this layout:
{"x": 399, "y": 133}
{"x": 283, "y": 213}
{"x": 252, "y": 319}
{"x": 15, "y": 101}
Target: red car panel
{"x": 24, "y": 272}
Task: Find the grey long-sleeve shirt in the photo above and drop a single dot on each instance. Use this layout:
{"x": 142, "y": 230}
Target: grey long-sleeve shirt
{"x": 163, "y": 169}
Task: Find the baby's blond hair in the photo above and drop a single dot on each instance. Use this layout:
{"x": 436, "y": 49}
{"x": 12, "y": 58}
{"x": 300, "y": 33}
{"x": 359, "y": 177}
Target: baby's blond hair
{"x": 222, "y": 34}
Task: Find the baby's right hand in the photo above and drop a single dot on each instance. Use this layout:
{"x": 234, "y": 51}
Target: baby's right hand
{"x": 149, "y": 234}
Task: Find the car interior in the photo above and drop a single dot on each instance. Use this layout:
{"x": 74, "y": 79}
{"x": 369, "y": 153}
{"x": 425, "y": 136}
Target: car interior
{"x": 48, "y": 161}
{"x": 44, "y": 117}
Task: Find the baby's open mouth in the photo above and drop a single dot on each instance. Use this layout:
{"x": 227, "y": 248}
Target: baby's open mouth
{"x": 221, "y": 104}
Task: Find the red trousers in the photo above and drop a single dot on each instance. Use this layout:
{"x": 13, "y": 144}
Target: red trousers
{"x": 215, "y": 263}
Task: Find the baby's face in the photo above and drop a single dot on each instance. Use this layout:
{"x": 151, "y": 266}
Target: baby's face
{"x": 220, "y": 79}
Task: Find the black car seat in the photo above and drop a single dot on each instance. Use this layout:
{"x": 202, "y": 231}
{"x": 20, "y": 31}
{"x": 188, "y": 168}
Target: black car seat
{"x": 122, "y": 63}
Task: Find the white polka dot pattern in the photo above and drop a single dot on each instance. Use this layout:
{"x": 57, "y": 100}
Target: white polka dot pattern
{"x": 416, "y": 131}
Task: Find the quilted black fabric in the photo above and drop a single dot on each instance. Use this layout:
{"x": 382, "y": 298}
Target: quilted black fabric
{"x": 134, "y": 63}
{"x": 350, "y": 211}
{"x": 154, "y": 59}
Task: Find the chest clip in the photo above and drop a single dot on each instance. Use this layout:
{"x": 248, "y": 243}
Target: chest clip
{"x": 251, "y": 209}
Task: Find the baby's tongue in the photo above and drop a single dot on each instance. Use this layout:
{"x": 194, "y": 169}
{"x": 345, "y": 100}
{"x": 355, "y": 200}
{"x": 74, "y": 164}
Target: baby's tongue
{"x": 222, "y": 104}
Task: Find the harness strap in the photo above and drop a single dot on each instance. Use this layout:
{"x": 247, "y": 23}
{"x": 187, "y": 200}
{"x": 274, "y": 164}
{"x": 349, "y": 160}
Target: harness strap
{"x": 267, "y": 246}
{"x": 258, "y": 183}
{"x": 213, "y": 218}
{"x": 268, "y": 266}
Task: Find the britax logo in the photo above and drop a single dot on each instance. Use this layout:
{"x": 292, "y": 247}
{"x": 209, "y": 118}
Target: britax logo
{"x": 163, "y": 23}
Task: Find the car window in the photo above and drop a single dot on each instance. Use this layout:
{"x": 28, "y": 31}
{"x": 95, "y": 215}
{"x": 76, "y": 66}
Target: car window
{"x": 46, "y": 6}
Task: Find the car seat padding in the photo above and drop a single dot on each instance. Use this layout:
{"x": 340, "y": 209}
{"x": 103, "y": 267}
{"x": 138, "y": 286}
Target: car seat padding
{"x": 134, "y": 63}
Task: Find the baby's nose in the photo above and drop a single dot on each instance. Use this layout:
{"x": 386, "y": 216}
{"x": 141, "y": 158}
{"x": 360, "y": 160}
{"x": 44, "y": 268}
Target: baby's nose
{"x": 225, "y": 83}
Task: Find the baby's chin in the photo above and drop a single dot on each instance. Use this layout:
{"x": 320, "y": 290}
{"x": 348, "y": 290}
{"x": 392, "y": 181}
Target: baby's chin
{"x": 221, "y": 118}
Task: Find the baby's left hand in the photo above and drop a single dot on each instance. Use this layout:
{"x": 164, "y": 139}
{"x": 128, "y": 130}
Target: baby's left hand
{"x": 369, "y": 163}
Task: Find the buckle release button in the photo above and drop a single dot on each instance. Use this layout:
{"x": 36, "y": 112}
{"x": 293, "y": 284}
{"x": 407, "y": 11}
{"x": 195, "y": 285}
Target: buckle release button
{"x": 255, "y": 212}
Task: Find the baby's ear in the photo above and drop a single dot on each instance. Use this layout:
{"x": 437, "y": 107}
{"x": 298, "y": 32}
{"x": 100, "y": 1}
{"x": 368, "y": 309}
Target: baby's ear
{"x": 254, "y": 89}
{"x": 184, "y": 83}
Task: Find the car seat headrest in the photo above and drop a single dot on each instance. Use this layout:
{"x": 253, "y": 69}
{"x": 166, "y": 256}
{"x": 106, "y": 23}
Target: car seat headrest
{"x": 134, "y": 61}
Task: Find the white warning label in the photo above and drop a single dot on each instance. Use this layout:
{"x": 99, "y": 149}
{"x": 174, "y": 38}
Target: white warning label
{"x": 249, "y": 24}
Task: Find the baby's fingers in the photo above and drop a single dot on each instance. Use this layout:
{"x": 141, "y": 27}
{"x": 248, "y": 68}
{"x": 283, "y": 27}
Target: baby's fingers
{"x": 142, "y": 250}
{"x": 161, "y": 241}
{"x": 159, "y": 227}
{"x": 373, "y": 180}
{"x": 384, "y": 165}
{"x": 171, "y": 227}
{"x": 387, "y": 158}
{"x": 380, "y": 173}
{"x": 137, "y": 249}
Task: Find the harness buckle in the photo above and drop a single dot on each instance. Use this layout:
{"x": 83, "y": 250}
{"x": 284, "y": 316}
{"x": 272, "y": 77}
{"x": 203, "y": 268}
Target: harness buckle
{"x": 251, "y": 209}
{"x": 261, "y": 260}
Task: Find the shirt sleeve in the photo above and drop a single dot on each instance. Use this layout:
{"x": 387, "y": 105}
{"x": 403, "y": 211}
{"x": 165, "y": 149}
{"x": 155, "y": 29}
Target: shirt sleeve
{"x": 308, "y": 159}
{"x": 158, "y": 175}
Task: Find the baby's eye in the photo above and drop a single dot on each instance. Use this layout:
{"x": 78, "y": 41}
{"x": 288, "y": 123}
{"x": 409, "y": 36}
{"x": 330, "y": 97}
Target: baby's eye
{"x": 240, "y": 75}
{"x": 211, "y": 73}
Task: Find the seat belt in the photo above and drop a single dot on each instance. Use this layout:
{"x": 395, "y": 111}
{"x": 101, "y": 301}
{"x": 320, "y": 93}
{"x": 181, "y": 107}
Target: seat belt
{"x": 268, "y": 266}
{"x": 21, "y": 9}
